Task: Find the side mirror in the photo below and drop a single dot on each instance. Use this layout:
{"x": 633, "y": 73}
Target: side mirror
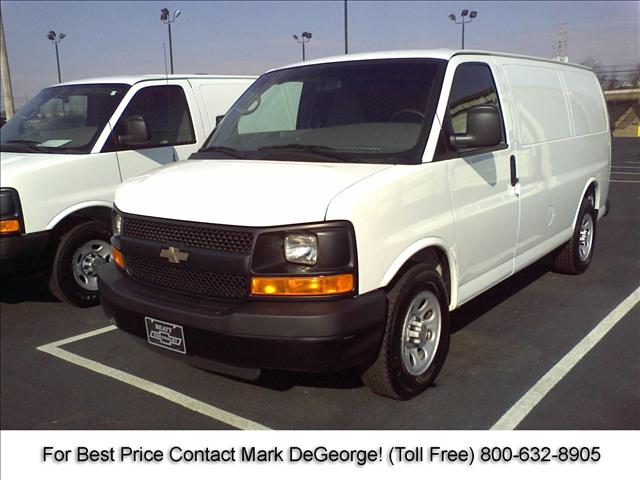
{"x": 219, "y": 119}
{"x": 483, "y": 128}
{"x": 137, "y": 133}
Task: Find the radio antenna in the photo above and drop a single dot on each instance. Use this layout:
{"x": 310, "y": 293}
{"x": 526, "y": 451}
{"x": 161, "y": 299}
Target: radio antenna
{"x": 164, "y": 51}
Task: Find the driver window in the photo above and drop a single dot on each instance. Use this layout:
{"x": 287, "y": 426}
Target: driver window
{"x": 166, "y": 116}
{"x": 472, "y": 85}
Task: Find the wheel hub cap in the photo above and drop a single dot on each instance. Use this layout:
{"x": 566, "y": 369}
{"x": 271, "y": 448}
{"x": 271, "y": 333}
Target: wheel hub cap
{"x": 421, "y": 332}
{"x": 86, "y": 261}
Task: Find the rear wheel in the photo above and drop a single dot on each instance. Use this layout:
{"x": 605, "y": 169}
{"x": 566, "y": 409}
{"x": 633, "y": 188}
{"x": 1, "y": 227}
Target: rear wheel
{"x": 80, "y": 253}
{"x": 416, "y": 339}
{"x": 575, "y": 256}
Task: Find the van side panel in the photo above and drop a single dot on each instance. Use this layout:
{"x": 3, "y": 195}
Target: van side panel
{"x": 559, "y": 151}
{"x": 589, "y": 114}
{"x": 542, "y": 121}
{"x": 591, "y": 127}
{"x": 218, "y": 96}
{"x": 542, "y": 109}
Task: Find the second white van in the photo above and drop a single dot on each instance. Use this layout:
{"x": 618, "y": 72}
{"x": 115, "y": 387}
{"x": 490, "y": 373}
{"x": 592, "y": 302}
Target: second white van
{"x": 64, "y": 153}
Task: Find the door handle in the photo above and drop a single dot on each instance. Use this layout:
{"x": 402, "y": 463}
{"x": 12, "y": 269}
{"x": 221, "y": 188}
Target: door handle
{"x": 514, "y": 179}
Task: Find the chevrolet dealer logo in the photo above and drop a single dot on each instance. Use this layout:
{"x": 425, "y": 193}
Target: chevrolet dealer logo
{"x": 174, "y": 255}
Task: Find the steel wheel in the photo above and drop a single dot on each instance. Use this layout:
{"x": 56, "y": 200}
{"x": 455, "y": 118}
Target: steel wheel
{"x": 585, "y": 239}
{"x": 86, "y": 261}
{"x": 421, "y": 332}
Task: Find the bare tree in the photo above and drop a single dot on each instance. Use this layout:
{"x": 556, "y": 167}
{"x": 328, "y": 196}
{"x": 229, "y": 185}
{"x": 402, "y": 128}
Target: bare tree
{"x": 612, "y": 79}
{"x": 598, "y": 69}
{"x": 633, "y": 78}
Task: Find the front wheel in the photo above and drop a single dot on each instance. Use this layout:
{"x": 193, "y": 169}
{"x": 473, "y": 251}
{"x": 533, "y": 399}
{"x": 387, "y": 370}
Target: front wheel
{"x": 416, "y": 338}
{"x": 80, "y": 253}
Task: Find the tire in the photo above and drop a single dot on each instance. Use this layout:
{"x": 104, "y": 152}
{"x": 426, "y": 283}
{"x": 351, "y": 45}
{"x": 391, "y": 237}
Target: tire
{"x": 575, "y": 256}
{"x": 395, "y": 374}
{"x": 79, "y": 253}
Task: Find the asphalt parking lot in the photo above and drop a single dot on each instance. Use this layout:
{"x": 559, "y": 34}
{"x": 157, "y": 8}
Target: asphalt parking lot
{"x": 503, "y": 342}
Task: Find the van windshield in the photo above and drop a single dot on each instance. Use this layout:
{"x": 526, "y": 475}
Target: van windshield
{"x": 377, "y": 111}
{"x": 64, "y": 119}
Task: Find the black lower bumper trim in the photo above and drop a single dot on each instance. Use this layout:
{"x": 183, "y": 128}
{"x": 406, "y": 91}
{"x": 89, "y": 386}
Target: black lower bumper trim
{"x": 300, "y": 336}
{"x": 23, "y": 253}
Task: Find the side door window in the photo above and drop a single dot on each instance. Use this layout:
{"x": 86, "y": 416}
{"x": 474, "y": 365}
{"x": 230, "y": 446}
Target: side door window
{"x": 472, "y": 85}
{"x": 166, "y": 116}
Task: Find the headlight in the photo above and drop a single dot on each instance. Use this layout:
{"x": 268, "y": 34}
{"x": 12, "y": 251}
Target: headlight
{"x": 301, "y": 248}
{"x": 8, "y": 203}
{"x": 116, "y": 224}
{"x": 11, "y": 221}
{"x": 307, "y": 260}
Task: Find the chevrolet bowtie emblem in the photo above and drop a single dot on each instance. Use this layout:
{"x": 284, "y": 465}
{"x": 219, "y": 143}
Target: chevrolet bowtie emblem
{"x": 174, "y": 255}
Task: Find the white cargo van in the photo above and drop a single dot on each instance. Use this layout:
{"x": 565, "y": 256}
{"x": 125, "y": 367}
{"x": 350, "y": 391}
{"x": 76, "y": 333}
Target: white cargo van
{"x": 345, "y": 206}
{"x": 64, "y": 153}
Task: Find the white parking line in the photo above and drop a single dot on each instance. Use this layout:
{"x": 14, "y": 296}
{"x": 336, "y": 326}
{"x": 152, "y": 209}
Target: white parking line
{"x": 178, "y": 398}
{"x": 624, "y": 181}
{"x": 512, "y": 418}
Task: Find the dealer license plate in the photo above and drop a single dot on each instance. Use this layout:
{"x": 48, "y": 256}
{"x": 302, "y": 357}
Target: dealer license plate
{"x": 166, "y": 335}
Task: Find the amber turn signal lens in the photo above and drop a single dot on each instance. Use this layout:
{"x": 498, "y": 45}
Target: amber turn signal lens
{"x": 117, "y": 257}
{"x": 326, "y": 285}
{"x": 9, "y": 226}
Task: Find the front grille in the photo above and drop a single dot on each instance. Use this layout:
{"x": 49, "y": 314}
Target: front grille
{"x": 210, "y": 284}
{"x": 189, "y": 235}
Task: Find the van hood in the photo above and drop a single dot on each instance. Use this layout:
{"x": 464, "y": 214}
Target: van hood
{"x": 16, "y": 165}
{"x": 7, "y": 158}
{"x": 253, "y": 193}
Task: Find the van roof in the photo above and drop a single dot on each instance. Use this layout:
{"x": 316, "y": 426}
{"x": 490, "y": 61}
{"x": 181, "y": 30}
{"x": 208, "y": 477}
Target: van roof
{"x": 443, "y": 54}
{"x": 133, "y": 79}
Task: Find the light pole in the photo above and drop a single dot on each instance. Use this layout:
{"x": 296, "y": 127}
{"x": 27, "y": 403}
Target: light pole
{"x": 56, "y": 38}
{"x": 7, "y": 95}
{"x": 346, "y": 36}
{"x": 306, "y": 36}
{"x": 464, "y": 14}
{"x": 168, "y": 18}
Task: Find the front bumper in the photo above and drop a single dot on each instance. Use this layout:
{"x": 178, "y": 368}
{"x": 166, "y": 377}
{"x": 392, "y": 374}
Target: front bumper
{"x": 23, "y": 253}
{"x": 308, "y": 336}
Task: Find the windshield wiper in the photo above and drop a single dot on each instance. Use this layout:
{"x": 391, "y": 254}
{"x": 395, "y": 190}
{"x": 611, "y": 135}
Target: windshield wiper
{"x": 232, "y": 152}
{"x": 319, "y": 150}
{"x": 24, "y": 142}
{"x": 28, "y": 145}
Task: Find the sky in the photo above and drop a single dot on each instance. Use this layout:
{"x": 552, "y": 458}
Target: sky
{"x": 249, "y": 37}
